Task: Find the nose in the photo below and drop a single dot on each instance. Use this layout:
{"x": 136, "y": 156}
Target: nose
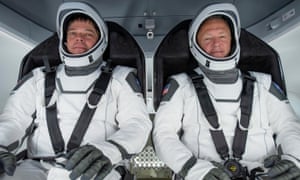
{"x": 79, "y": 37}
{"x": 216, "y": 42}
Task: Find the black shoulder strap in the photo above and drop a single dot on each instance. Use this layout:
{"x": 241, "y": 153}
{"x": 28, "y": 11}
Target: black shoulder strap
{"x": 211, "y": 115}
{"x": 217, "y": 134}
{"x": 241, "y": 130}
{"x": 50, "y": 74}
{"x": 89, "y": 110}
{"x": 51, "y": 110}
{"x": 86, "y": 115}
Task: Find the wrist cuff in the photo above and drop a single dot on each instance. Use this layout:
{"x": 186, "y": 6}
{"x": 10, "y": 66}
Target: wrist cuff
{"x": 187, "y": 166}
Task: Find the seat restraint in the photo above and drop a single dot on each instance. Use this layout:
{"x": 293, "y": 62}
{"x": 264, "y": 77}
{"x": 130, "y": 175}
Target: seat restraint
{"x": 85, "y": 117}
{"x": 89, "y": 109}
{"x": 241, "y": 130}
{"x": 51, "y": 110}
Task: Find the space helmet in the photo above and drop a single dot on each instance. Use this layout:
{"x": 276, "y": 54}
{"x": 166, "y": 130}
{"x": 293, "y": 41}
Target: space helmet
{"x": 230, "y": 14}
{"x": 93, "y": 55}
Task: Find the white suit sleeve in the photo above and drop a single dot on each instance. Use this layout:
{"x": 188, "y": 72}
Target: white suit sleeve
{"x": 18, "y": 112}
{"x": 284, "y": 122}
{"x": 134, "y": 124}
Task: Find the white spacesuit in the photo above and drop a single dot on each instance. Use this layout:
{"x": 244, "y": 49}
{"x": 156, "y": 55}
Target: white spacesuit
{"x": 119, "y": 127}
{"x": 182, "y": 134}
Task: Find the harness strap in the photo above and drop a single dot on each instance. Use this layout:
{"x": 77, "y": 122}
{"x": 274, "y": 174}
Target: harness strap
{"x": 211, "y": 115}
{"x": 206, "y": 103}
{"x": 208, "y": 109}
{"x": 51, "y": 111}
{"x": 89, "y": 110}
{"x": 220, "y": 143}
{"x": 240, "y": 138}
{"x": 86, "y": 115}
{"x": 54, "y": 130}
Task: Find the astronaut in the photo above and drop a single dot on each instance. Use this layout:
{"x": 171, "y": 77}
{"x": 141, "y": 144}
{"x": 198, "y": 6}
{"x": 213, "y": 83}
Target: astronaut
{"x": 63, "y": 144}
{"x": 219, "y": 123}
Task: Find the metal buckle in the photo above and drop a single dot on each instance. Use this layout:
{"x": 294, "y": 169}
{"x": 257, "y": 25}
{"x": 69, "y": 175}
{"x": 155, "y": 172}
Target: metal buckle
{"x": 234, "y": 169}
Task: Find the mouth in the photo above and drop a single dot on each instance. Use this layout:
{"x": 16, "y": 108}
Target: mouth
{"x": 218, "y": 54}
{"x": 78, "y": 50}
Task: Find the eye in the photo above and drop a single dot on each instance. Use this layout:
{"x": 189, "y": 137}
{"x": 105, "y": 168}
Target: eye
{"x": 207, "y": 39}
{"x": 71, "y": 33}
{"x": 90, "y": 35}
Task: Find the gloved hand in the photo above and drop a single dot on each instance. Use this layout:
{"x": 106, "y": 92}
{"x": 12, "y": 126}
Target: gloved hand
{"x": 88, "y": 161}
{"x": 281, "y": 169}
{"x": 7, "y": 163}
{"x": 216, "y": 174}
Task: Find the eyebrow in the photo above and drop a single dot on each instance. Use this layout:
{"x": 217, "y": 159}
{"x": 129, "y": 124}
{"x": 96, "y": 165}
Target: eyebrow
{"x": 87, "y": 29}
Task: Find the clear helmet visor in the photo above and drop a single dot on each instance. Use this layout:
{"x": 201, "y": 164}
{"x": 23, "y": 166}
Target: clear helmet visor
{"x": 229, "y": 13}
{"x": 64, "y": 14}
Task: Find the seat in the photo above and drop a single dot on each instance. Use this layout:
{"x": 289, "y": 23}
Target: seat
{"x": 173, "y": 56}
{"x": 122, "y": 50}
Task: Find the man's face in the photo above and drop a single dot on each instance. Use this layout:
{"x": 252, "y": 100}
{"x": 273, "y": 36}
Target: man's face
{"x": 214, "y": 38}
{"x": 81, "y": 36}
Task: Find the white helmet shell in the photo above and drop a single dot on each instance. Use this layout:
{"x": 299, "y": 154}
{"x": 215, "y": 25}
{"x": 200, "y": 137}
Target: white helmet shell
{"x": 212, "y": 63}
{"x": 92, "y": 55}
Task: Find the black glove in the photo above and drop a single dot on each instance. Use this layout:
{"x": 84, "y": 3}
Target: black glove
{"x": 8, "y": 163}
{"x": 216, "y": 174}
{"x": 281, "y": 169}
{"x": 88, "y": 161}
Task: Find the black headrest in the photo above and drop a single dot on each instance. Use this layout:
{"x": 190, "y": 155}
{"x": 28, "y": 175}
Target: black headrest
{"x": 34, "y": 58}
{"x": 122, "y": 50}
{"x": 257, "y": 55}
{"x": 173, "y": 56}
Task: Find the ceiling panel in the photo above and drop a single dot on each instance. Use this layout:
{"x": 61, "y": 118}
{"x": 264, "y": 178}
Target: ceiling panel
{"x": 132, "y": 13}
